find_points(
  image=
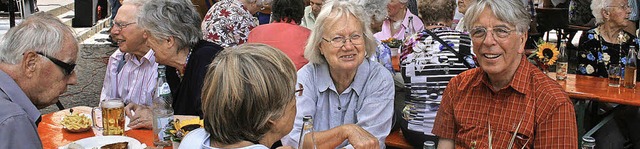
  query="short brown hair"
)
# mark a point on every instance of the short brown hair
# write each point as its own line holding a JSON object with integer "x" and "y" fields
{"x": 245, "y": 87}
{"x": 432, "y": 11}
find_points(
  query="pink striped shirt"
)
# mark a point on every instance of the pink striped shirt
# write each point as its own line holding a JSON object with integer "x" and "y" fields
{"x": 136, "y": 80}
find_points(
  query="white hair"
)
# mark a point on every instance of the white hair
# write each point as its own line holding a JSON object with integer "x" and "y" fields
{"x": 41, "y": 32}
{"x": 596, "y": 9}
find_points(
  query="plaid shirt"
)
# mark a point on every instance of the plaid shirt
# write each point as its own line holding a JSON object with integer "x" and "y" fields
{"x": 470, "y": 108}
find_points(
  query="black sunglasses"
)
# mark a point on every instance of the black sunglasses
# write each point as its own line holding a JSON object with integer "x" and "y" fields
{"x": 67, "y": 68}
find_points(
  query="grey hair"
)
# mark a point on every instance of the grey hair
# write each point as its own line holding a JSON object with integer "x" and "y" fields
{"x": 510, "y": 11}
{"x": 376, "y": 9}
{"x": 596, "y": 9}
{"x": 432, "y": 11}
{"x": 172, "y": 18}
{"x": 41, "y": 32}
{"x": 329, "y": 14}
{"x": 137, "y": 3}
{"x": 403, "y": 1}
{"x": 260, "y": 3}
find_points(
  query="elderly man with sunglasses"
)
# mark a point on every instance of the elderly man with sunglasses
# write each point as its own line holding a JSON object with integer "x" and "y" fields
{"x": 506, "y": 102}
{"x": 37, "y": 59}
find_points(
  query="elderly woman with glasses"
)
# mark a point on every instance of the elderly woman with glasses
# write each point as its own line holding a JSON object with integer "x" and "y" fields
{"x": 228, "y": 22}
{"x": 608, "y": 43}
{"x": 600, "y": 48}
{"x": 348, "y": 96}
{"x": 246, "y": 110}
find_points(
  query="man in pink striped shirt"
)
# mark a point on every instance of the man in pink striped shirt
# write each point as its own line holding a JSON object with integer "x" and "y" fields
{"x": 132, "y": 70}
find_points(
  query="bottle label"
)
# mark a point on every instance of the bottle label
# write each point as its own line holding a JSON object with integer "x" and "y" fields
{"x": 162, "y": 124}
{"x": 163, "y": 90}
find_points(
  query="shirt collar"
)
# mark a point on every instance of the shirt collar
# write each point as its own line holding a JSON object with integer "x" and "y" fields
{"x": 519, "y": 81}
{"x": 325, "y": 81}
{"x": 149, "y": 57}
{"x": 17, "y": 96}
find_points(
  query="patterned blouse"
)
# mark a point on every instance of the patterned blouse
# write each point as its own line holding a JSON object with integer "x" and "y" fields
{"x": 228, "y": 23}
{"x": 595, "y": 55}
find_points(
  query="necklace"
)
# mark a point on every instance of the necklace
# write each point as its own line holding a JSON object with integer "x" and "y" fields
{"x": 601, "y": 49}
{"x": 180, "y": 75}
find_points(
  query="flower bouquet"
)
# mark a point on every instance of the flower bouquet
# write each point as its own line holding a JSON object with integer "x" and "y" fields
{"x": 545, "y": 55}
{"x": 177, "y": 129}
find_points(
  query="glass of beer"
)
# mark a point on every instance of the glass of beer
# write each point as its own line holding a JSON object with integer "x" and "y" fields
{"x": 615, "y": 73}
{"x": 113, "y": 119}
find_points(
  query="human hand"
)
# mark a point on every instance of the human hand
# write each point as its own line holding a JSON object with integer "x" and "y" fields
{"x": 360, "y": 138}
{"x": 139, "y": 115}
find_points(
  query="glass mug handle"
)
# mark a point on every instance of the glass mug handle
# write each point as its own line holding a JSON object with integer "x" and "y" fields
{"x": 94, "y": 118}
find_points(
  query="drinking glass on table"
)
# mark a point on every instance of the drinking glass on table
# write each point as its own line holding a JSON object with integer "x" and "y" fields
{"x": 615, "y": 73}
{"x": 112, "y": 120}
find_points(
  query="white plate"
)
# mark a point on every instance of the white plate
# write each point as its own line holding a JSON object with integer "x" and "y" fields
{"x": 98, "y": 141}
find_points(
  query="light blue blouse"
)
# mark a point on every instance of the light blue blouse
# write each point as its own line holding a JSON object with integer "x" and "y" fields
{"x": 367, "y": 102}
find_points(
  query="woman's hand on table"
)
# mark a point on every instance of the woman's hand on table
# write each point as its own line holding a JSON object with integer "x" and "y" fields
{"x": 140, "y": 117}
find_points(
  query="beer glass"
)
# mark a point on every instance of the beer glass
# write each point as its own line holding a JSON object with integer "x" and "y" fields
{"x": 113, "y": 119}
{"x": 615, "y": 73}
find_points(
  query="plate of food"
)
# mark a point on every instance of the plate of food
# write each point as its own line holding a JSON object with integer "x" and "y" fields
{"x": 76, "y": 123}
{"x": 105, "y": 142}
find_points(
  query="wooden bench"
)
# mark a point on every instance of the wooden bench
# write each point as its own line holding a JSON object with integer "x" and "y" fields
{"x": 396, "y": 140}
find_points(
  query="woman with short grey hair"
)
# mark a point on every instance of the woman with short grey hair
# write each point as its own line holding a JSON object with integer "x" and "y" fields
{"x": 246, "y": 110}
{"x": 349, "y": 96}
{"x": 228, "y": 22}
{"x": 172, "y": 30}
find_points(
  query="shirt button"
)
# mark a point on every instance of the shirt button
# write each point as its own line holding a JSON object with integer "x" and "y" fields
{"x": 339, "y": 108}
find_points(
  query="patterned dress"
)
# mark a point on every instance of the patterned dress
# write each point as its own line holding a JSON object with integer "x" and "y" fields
{"x": 595, "y": 55}
{"x": 426, "y": 68}
{"x": 228, "y": 23}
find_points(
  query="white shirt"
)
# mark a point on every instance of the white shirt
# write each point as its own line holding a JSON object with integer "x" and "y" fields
{"x": 136, "y": 80}
{"x": 200, "y": 138}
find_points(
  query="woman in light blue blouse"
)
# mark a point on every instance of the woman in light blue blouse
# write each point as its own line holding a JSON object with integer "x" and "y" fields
{"x": 349, "y": 96}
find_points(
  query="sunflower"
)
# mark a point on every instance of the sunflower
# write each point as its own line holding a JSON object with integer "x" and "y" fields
{"x": 547, "y": 53}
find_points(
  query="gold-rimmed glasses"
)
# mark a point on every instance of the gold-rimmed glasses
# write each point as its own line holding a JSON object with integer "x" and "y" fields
{"x": 337, "y": 42}
{"x": 121, "y": 26}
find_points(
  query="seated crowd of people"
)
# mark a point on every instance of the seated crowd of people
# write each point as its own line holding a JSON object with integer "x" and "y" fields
{"x": 459, "y": 82}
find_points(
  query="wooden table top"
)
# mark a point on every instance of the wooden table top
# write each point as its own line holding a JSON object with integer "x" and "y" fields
{"x": 596, "y": 88}
{"x": 53, "y": 136}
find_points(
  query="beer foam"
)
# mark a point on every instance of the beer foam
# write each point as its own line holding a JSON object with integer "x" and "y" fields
{"x": 112, "y": 104}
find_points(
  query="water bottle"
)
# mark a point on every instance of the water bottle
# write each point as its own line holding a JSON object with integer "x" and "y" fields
{"x": 588, "y": 142}
{"x": 562, "y": 66}
{"x": 429, "y": 145}
{"x": 307, "y": 127}
{"x": 162, "y": 110}
{"x": 630, "y": 68}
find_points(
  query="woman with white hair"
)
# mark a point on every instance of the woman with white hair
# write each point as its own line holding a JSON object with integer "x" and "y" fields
{"x": 228, "y": 22}
{"x": 601, "y": 47}
{"x": 346, "y": 93}
{"x": 607, "y": 43}
{"x": 172, "y": 30}
{"x": 398, "y": 21}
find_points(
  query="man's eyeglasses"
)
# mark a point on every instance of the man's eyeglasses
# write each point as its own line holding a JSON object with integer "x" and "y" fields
{"x": 337, "y": 42}
{"x": 623, "y": 6}
{"x": 121, "y": 26}
{"x": 478, "y": 33}
{"x": 67, "y": 68}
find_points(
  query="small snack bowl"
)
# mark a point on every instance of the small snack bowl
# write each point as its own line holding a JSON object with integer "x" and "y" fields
{"x": 76, "y": 123}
